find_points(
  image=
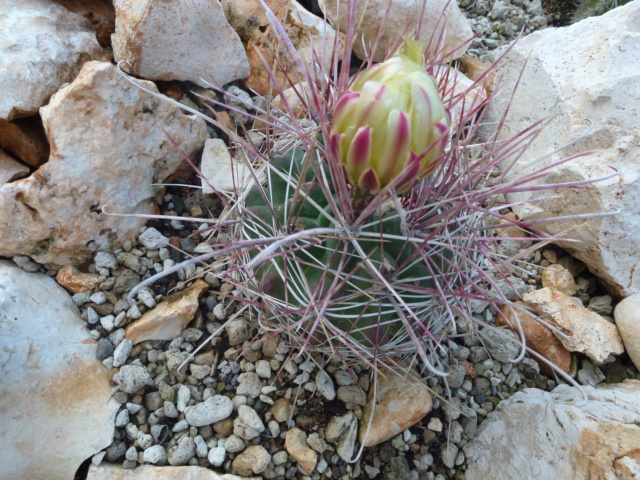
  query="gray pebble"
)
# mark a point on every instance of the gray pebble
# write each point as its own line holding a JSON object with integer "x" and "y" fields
{"x": 180, "y": 426}
{"x": 92, "y": 316}
{"x": 105, "y": 260}
{"x": 449, "y": 452}
{"x": 81, "y": 298}
{"x": 121, "y": 353}
{"x": 234, "y": 444}
{"x": 325, "y": 386}
{"x": 249, "y": 384}
{"x": 183, "y": 452}
{"x": 146, "y": 297}
{"x": 216, "y": 456}
{"x": 122, "y": 418}
{"x": 98, "y": 298}
{"x": 155, "y": 454}
{"x": 184, "y": 395}
{"x": 201, "y": 446}
{"x": 212, "y": 410}
{"x": 170, "y": 410}
{"x": 152, "y": 239}
{"x": 248, "y": 425}
{"x": 132, "y": 454}
{"x": 238, "y": 331}
{"x": 144, "y": 440}
{"x": 132, "y": 378}
{"x": 105, "y": 348}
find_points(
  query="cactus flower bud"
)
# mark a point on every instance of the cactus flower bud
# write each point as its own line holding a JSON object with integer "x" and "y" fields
{"x": 391, "y": 123}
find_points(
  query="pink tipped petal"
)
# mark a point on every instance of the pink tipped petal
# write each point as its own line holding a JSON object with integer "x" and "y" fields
{"x": 334, "y": 144}
{"x": 397, "y": 151}
{"x": 409, "y": 175}
{"x": 369, "y": 181}
{"x": 359, "y": 151}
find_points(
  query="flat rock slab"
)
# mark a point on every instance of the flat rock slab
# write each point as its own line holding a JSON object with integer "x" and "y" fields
{"x": 54, "y": 394}
{"x": 112, "y": 158}
{"x": 170, "y": 317}
{"x": 589, "y": 70}
{"x": 400, "y": 20}
{"x": 107, "y": 471}
{"x": 550, "y": 436}
{"x": 587, "y": 331}
{"x": 42, "y": 46}
{"x": 396, "y": 401}
{"x": 190, "y": 41}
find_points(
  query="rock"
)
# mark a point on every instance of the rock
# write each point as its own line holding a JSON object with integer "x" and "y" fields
{"x": 283, "y": 410}
{"x": 352, "y": 394}
{"x": 325, "y": 385}
{"x": 592, "y": 334}
{"x": 10, "y": 169}
{"x": 503, "y": 346}
{"x": 473, "y": 69}
{"x": 539, "y": 337}
{"x": 233, "y": 444}
{"x": 100, "y": 13}
{"x": 255, "y": 459}
{"x": 121, "y": 353}
{"x": 154, "y": 454}
{"x": 400, "y": 20}
{"x": 309, "y": 34}
{"x": 556, "y": 277}
{"x": 47, "y": 47}
{"x": 249, "y": 384}
{"x": 107, "y": 471}
{"x": 342, "y": 432}
{"x": 248, "y": 425}
{"x": 238, "y": 331}
{"x": 296, "y": 445}
{"x": 164, "y": 41}
{"x": 395, "y": 402}
{"x": 51, "y": 384}
{"x": 601, "y": 305}
{"x": 170, "y": 317}
{"x": 37, "y": 217}
{"x": 132, "y": 378}
{"x": 152, "y": 239}
{"x": 212, "y": 410}
{"x": 448, "y": 453}
{"x": 627, "y": 316}
{"x": 463, "y": 95}
{"x": 76, "y": 281}
{"x": 569, "y": 440}
{"x": 24, "y": 140}
{"x": 585, "y": 71}
{"x": 216, "y": 456}
{"x": 219, "y": 172}
{"x": 183, "y": 452}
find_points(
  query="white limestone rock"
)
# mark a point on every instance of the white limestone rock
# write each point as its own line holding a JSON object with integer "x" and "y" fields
{"x": 370, "y": 13}
{"x": 219, "y": 171}
{"x": 584, "y": 331}
{"x": 627, "y": 317}
{"x": 590, "y": 70}
{"x": 108, "y": 159}
{"x": 42, "y": 46}
{"x": 190, "y": 41}
{"x": 106, "y": 471}
{"x": 550, "y": 436}
{"x": 52, "y": 386}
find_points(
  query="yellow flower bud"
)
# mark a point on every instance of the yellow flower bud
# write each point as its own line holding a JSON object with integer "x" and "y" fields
{"x": 391, "y": 123}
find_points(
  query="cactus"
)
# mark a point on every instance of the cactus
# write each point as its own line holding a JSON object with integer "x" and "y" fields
{"x": 328, "y": 275}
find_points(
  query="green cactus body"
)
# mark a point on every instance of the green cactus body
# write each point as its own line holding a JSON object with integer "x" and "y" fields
{"x": 303, "y": 274}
